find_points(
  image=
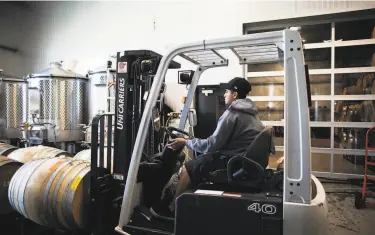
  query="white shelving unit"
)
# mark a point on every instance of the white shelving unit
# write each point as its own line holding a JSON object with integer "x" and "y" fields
{"x": 360, "y": 42}
{"x": 331, "y": 45}
{"x": 316, "y": 97}
{"x": 315, "y": 71}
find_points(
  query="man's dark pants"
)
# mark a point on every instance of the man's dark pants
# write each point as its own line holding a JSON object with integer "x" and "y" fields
{"x": 200, "y": 168}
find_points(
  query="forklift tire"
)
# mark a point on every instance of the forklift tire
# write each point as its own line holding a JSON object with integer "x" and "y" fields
{"x": 359, "y": 203}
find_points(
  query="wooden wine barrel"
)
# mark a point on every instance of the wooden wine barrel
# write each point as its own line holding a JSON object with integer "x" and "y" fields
{"x": 343, "y": 139}
{"x": 8, "y": 168}
{"x": 352, "y": 140}
{"x": 366, "y": 90}
{"x": 356, "y": 139}
{"x": 366, "y": 111}
{"x": 353, "y": 90}
{"x": 353, "y": 113}
{"x": 338, "y": 106}
{"x": 372, "y": 86}
{"x": 359, "y": 82}
{"x": 53, "y": 192}
{"x": 85, "y": 155}
{"x": 6, "y": 149}
{"x": 26, "y": 154}
{"x": 367, "y": 80}
{"x": 343, "y": 113}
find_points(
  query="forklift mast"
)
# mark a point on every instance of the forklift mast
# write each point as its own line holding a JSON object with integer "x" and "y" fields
{"x": 280, "y": 46}
{"x": 135, "y": 74}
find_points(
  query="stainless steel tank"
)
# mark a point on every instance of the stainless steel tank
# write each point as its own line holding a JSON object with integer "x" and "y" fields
{"x": 13, "y": 106}
{"x": 102, "y": 91}
{"x": 59, "y": 99}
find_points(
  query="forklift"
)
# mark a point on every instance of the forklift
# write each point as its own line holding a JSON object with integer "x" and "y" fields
{"x": 242, "y": 199}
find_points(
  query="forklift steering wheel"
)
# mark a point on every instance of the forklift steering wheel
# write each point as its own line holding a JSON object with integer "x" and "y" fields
{"x": 170, "y": 130}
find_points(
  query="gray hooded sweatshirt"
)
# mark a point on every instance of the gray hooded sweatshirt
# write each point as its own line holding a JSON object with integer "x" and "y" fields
{"x": 236, "y": 129}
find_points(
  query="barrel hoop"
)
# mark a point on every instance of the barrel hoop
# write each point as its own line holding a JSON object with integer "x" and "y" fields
{"x": 12, "y": 192}
{"x": 67, "y": 203}
{"x": 11, "y": 186}
{"x": 5, "y": 162}
{"x": 20, "y": 185}
{"x": 5, "y": 152}
{"x": 55, "y": 193}
{"x": 45, "y": 217}
{"x": 47, "y": 205}
{"x": 72, "y": 194}
{"x": 37, "y": 165}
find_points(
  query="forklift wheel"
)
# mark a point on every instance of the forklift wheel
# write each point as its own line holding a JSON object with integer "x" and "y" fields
{"x": 359, "y": 203}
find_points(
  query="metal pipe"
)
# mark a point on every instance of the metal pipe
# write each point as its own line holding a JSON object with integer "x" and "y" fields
{"x": 190, "y": 96}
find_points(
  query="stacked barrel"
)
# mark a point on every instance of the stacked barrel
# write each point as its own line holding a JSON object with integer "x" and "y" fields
{"x": 8, "y": 168}
{"x": 46, "y": 185}
{"x": 356, "y": 111}
{"x": 85, "y": 155}
{"x": 362, "y": 111}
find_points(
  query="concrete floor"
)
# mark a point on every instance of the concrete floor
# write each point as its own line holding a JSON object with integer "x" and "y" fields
{"x": 343, "y": 217}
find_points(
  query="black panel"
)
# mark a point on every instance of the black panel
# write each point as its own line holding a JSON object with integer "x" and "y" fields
{"x": 222, "y": 215}
{"x": 308, "y": 85}
{"x": 124, "y": 101}
{"x": 135, "y": 71}
{"x": 209, "y": 109}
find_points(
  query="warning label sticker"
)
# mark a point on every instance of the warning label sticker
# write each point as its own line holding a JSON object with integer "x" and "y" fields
{"x": 209, "y": 192}
{"x": 76, "y": 182}
{"x": 122, "y": 67}
{"x": 231, "y": 195}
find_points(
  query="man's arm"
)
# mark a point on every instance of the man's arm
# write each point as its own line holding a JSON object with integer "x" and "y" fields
{"x": 217, "y": 140}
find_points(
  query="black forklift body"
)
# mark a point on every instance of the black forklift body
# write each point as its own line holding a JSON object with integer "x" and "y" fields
{"x": 220, "y": 213}
{"x": 135, "y": 72}
{"x": 134, "y": 77}
{"x": 203, "y": 212}
{"x": 227, "y": 211}
{"x": 254, "y": 200}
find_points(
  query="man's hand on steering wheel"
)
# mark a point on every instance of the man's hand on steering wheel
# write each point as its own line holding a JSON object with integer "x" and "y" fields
{"x": 176, "y": 140}
{"x": 177, "y": 143}
{"x": 171, "y": 131}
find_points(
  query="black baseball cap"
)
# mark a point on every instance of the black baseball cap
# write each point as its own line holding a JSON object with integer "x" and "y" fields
{"x": 240, "y": 85}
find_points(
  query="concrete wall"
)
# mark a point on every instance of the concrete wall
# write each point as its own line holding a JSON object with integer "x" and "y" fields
{"x": 88, "y": 32}
{"x": 18, "y": 29}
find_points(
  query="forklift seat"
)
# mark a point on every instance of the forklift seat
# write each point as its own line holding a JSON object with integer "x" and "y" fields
{"x": 247, "y": 170}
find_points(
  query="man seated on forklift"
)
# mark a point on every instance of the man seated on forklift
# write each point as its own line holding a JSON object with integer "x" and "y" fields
{"x": 236, "y": 129}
